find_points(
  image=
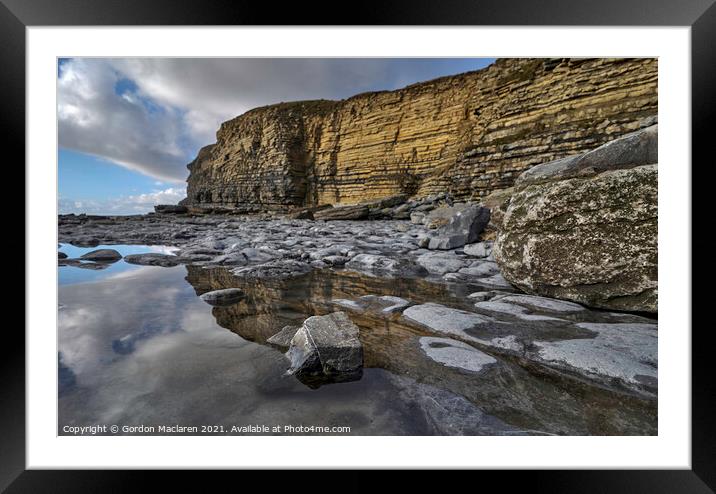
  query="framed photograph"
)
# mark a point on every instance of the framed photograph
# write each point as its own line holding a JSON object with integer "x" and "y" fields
{"x": 432, "y": 237}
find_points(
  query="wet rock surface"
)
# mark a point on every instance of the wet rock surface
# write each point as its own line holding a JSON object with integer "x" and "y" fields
{"x": 534, "y": 394}
{"x": 453, "y": 353}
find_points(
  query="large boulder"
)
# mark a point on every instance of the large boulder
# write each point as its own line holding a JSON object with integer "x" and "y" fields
{"x": 635, "y": 149}
{"x": 326, "y": 349}
{"x": 590, "y": 238}
{"x": 463, "y": 227}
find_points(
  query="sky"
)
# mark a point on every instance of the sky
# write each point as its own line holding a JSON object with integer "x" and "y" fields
{"x": 127, "y": 127}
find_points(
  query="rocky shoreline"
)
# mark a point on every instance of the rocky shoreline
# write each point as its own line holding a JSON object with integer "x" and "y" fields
{"x": 619, "y": 354}
{"x": 554, "y": 279}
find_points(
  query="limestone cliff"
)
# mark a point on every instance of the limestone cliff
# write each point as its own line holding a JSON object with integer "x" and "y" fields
{"x": 468, "y": 134}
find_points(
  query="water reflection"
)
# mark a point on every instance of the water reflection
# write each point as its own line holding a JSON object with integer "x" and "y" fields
{"x": 507, "y": 390}
{"x": 71, "y": 271}
{"x": 139, "y": 347}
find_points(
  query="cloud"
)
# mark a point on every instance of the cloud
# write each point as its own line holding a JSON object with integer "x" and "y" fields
{"x": 132, "y": 204}
{"x": 152, "y": 115}
{"x": 121, "y": 126}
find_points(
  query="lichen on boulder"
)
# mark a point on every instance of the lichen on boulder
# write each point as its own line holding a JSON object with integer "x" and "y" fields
{"x": 591, "y": 239}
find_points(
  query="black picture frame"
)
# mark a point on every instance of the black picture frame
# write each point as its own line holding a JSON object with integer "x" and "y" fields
{"x": 700, "y": 15}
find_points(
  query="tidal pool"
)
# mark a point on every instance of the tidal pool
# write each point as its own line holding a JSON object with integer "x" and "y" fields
{"x": 139, "y": 349}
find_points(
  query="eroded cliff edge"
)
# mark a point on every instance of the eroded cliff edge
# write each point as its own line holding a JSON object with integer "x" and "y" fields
{"x": 468, "y": 134}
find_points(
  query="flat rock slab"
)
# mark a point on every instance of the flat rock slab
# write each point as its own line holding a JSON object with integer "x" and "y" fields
{"x": 543, "y": 303}
{"x": 102, "y": 255}
{"x": 227, "y": 296}
{"x": 326, "y": 349}
{"x": 153, "y": 259}
{"x": 441, "y": 262}
{"x": 622, "y": 351}
{"x": 453, "y": 353}
{"x": 501, "y": 307}
{"x": 384, "y": 304}
{"x": 446, "y": 320}
{"x": 621, "y": 355}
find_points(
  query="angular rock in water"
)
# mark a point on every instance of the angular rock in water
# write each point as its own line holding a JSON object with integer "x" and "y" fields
{"x": 383, "y": 304}
{"x": 462, "y": 228}
{"x": 61, "y": 255}
{"x": 220, "y": 298}
{"x": 453, "y": 353}
{"x": 282, "y": 339}
{"x": 589, "y": 240}
{"x": 153, "y": 259}
{"x": 102, "y": 255}
{"x": 326, "y": 349}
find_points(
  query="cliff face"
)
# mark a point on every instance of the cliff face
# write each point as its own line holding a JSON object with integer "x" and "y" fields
{"x": 468, "y": 134}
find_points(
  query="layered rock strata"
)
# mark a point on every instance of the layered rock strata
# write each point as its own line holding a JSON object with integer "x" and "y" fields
{"x": 468, "y": 134}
